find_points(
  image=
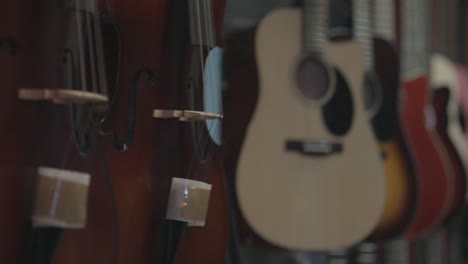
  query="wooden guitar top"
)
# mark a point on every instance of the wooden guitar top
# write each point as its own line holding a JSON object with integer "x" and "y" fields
{"x": 302, "y": 202}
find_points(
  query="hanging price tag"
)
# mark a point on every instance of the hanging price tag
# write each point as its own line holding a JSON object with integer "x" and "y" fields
{"x": 188, "y": 201}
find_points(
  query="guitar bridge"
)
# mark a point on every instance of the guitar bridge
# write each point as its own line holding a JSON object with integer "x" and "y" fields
{"x": 319, "y": 147}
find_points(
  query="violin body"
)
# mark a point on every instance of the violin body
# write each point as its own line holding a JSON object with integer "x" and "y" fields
{"x": 140, "y": 28}
{"x": 18, "y": 120}
{"x": 191, "y": 149}
{"x": 61, "y": 49}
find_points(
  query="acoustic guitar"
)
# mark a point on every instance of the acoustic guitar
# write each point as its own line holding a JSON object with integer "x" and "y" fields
{"x": 446, "y": 101}
{"x": 418, "y": 122}
{"x": 308, "y": 119}
{"x": 68, "y": 84}
{"x": 373, "y": 27}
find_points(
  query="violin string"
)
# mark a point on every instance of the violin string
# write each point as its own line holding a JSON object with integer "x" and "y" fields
{"x": 215, "y": 122}
{"x": 202, "y": 62}
{"x": 198, "y": 128}
{"x": 208, "y": 146}
{"x": 81, "y": 53}
{"x": 91, "y": 48}
{"x": 101, "y": 58}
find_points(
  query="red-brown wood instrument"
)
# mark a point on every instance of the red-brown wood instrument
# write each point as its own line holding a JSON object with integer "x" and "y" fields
{"x": 189, "y": 140}
{"x": 72, "y": 47}
{"x": 140, "y": 27}
{"x": 17, "y": 122}
{"x": 446, "y": 97}
{"x": 418, "y": 123}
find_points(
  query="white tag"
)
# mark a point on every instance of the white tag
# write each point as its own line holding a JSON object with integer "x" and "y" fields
{"x": 188, "y": 201}
{"x": 61, "y": 198}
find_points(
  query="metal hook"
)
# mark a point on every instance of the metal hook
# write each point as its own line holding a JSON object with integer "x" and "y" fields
{"x": 11, "y": 44}
{"x": 132, "y": 110}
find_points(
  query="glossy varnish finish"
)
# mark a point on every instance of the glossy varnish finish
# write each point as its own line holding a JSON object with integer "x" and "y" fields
{"x": 299, "y": 185}
{"x": 434, "y": 174}
{"x": 17, "y": 121}
{"x": 50, "y": 35}
{"x": 140, "y": 27}
{"x": 176, "y": 152}
{"x": 440, "y": 101}
{"x": 401, "y": 190}
{"x": 208, "y": 244}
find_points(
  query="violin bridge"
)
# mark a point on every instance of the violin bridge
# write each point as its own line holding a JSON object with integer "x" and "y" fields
{"x": 185, "y": 115}
{"x": 61, "y": 96}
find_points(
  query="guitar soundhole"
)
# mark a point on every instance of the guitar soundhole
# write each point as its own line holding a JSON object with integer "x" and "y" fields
{"x": 337, "y": 113}
{"x": 313, "y": 79}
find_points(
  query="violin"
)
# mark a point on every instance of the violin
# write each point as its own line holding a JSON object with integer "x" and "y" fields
{"x": 17, "y": 121}
{"x": 189, "y": 117}
{"x": 140, "y": 26}
{"x": 71, "y": 72}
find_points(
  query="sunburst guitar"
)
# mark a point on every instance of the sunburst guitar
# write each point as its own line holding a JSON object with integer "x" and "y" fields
{"x": 381, "y": 88}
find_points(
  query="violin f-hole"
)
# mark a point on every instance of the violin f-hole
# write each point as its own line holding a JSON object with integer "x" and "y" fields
{"x": 122, "y": 145}
{"x": 11, "y": 45}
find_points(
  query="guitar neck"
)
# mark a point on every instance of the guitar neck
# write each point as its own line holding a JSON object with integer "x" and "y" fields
{"x": 384, "y": 25}
{"x": 414, "y": 39}
{"x": 315, "y": 26}
{"x": 444, "y": 27}
{"x": 362, "y": 29}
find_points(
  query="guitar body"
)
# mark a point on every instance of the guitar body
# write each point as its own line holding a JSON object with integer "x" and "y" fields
{"x": 434, "y": 174}
{"x": 401, "y": 189}
{"x": 241, "y": 74}
{"x": 446, "y": 105}
{"x": 462, "y": 79}
{"x": 307, "y": 202}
